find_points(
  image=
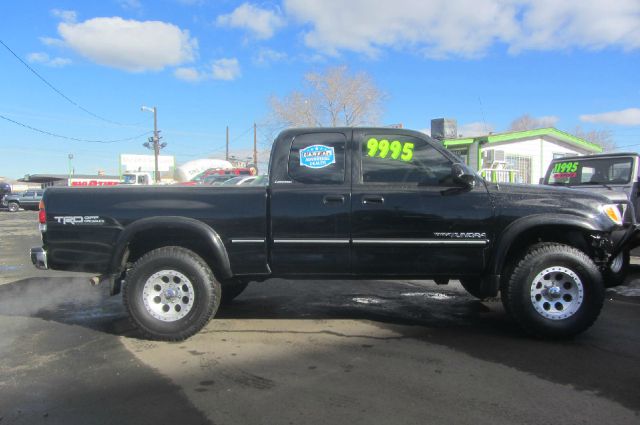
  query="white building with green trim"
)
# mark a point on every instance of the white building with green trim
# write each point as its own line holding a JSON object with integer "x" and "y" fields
{"x": 519, "y": 156}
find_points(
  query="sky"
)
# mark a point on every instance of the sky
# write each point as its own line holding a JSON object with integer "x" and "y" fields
{"x": 207, "y": 65}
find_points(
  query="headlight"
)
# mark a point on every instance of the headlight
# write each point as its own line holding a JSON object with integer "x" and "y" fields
{"x": 612, "y": 211}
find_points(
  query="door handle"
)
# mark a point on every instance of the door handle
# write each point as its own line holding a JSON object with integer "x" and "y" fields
{"x": 333, "y": 199}
{"x": 373, "y": 199}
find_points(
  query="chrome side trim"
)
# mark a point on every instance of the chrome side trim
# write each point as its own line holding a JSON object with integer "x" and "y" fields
{"x": 247, "y": 240}
{"x": 420, "y": 242}
{"x": 377, "y": 241}
{"x": 311, "y": 241}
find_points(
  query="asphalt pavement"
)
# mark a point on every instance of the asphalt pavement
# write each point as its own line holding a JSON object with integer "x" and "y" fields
{"x": 303, "y": 352}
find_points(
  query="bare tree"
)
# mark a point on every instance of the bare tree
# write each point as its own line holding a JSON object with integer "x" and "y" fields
{"x": 527, "y": 122}
{"x": 602, "y": 138}
{"x": 297, "y": 110}
{"x": 332, "y": 98}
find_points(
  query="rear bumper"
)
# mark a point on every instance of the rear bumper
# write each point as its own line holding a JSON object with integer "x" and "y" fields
{"x": 39, "y": 258}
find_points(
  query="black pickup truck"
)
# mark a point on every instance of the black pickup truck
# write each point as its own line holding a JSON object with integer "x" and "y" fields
{"x": 341, "y": 203}
{"x": 613, "y": 175}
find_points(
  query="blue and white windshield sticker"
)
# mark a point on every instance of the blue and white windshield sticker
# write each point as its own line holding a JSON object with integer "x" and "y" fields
{"x": 317, "y": 156}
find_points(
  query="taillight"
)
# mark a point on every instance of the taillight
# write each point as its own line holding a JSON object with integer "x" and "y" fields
{"x": 42, "y": 214}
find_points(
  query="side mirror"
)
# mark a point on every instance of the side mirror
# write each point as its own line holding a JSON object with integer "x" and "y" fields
{"x": 461, "y": 175}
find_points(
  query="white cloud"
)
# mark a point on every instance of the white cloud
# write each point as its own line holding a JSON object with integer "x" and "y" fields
{"x": 474, "y": 129}
{"x": 65, "y": 15}
{"x": 188, "y": 74}
{"x": 130, "y": 4}
{"x": 590, "y": 24}
{"x": 466, "y": 28}
{"x": 50, "y": 41}
{"x": 37, "y": 57}
{"x": 129, "y": 44}
{"x": 261, "y": 22}
{"x": 226, "y": 69}
{"x": 43, "y": 58}
{"x": 268, "y": 56}
{"x": 59, "y": 62}
{"x": 438, "y": 28}
{"x": 630, "y": 116}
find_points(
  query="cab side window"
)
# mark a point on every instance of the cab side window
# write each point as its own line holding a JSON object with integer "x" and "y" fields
{"x": 405, "y": 160}
{"x": 318, "y": 158}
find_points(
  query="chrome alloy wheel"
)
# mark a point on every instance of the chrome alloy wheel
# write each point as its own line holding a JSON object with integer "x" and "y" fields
{"x": 168, "y": 295}
{"x": 557, "y": 293}
{"x": 616, "y": 263}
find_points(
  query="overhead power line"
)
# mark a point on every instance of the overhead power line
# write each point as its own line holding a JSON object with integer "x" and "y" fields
{"x": 52, "y": 87}
{"x": 75, "y": 139}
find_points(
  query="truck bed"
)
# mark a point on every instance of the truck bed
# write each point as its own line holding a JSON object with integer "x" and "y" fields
{"x": 85, "y": 224}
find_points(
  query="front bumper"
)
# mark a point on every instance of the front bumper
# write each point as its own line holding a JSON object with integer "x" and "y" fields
{"x": 39, "y": 258}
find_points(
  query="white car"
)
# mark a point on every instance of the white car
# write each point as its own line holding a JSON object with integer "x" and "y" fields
{"x": 240, "y": 180}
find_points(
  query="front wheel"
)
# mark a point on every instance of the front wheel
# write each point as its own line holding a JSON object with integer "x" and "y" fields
{"x": 555, "y": 291}
{"x": 13, "y": 206}
{"x": 171, "y": 293}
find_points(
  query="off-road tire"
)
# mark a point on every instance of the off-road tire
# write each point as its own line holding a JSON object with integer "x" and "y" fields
{"x": 521, "y": 305}
{"x": 13, "y": 206}
{"x": 206, "y": 297}
{"x": 614, "y": 278}
{"x": 231, "y": 290}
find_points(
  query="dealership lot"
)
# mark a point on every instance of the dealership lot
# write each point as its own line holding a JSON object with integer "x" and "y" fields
{"x": 303, "y": 352}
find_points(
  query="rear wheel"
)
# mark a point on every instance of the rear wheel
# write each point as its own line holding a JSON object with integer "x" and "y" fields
{"x": 13, "y": 206}
{"x": 555, "y": 291}
{"x": 171, "y": 294}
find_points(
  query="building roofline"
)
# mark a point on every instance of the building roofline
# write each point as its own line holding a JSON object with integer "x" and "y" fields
{"x": 514, "y": 135}
{"x": 595, "y": 156}
{"x": 40, "y": 178}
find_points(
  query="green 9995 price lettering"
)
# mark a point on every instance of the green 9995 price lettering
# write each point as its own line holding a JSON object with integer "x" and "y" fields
{"x": 391, "y": 150}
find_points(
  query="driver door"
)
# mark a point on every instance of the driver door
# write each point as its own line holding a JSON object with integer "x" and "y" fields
{"x": 408, "y": 215}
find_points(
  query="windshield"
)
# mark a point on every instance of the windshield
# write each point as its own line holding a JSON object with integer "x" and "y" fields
{"x": 594, "y": 171}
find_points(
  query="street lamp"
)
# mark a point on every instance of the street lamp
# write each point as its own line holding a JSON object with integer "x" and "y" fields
{"x": 156, "y": 147}
{"x": 70, "y": 157}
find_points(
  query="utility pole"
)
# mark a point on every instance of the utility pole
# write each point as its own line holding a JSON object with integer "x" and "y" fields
{"x": 156, "y": 140}
{"x": 255, "y": 145}
{"x": 226, "y": 156}
{"x": 156, "y": 143}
